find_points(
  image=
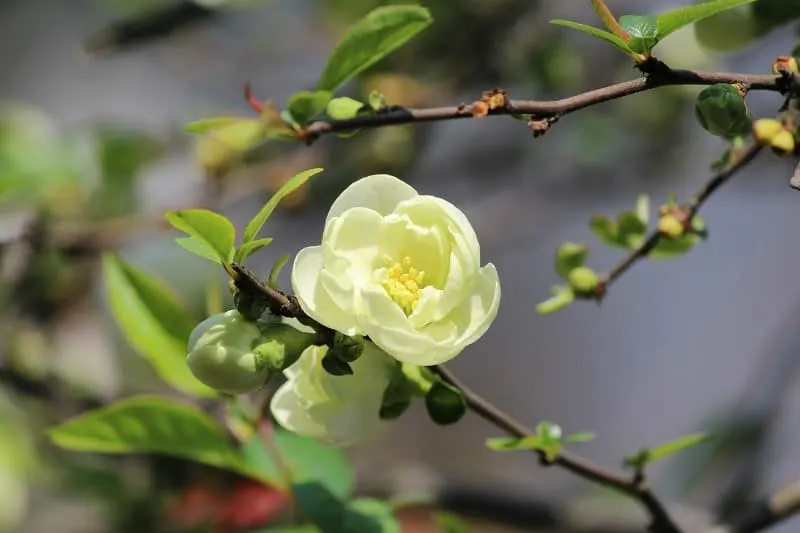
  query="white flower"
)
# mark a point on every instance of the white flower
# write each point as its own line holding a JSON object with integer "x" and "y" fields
{"x": 337, "y": 410}
{"x": 401, "y": 268}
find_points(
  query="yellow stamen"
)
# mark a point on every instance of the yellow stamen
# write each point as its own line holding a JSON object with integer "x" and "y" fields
{"x": 403, "y": 283}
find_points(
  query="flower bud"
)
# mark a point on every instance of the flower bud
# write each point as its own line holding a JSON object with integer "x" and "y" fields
{"x": 785, "y": 64}
{"x": 722, "y": 111}
{"x": 221, "y": 354}
{"x": 783, "y": 143}
{"x": 583, "y": 280}
{"x": 281, "y": 345}
{"x": 765, "y": 129}
{"x": 347, "y": 348}
{"x": 669, "y": 226}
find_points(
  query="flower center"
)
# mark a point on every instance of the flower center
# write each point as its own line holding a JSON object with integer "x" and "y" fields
{"x": 403, "y": 283}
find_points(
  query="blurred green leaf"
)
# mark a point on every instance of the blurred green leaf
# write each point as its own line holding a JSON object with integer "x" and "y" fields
{"x": 377, "y": 100}
{"x": 368, "y": 515}
{"x": 249, "y": 248}
{"x": 275, "y": 271}
{"x": 198, "y": 247}
{"x": 209, "y": 124}
{"x": 604, "y": 229}
{"x": 149, "y": 424}
{"x": 596, "y": 32}
{"x": 450, "y": 523}
{"x": 570, "y": 256}
{"x": 344, "y": 108}
{"x": 258, "y": 221}
{"x": 562, "y": 297}
{"x": 581, "y": 436}
{"x": 153, "y": 321}
{"x": 643, "y": 32}
{"x": 642, "y": 209}
{"x": 305, "y": 105}
{"x": 379, "y": 33}
{"x": 333, "y": 515}
{"x": 306, "y": 459}
{"x": 631, "y": 231}
{"x": 445, "y": 404}
{"x": 547, "y": 440}
{"x": 647, "y": 456}
{"x": 671, "y": 21}
{"x": 208, "y": 227}
{"x": 673, "y": 248}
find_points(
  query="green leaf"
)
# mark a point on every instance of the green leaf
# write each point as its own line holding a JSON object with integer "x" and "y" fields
{"x": 199, "y": 248}
{"x": 643, "y": 32}
{"x": 673, "y": 248}
{"x": 678, "y": 445}
{"x": 642, "y": 209}
{"x": 208, "y": 124}
{"x": 581, "y": 436}
{"x": 149, "y": 424}
{"x": 212, "y": 229}
{"x": 596, "y": 32}
{"x": 631, "y": 231}
{"x": 605, "y": 229}
{"x": 547, "y": 440}
{"x": 255, "y": 225}
{"x": 276, "y": 269}
{"x": 379, "y": 33}
{"x": 562, "y": 297}
{"x": 512, "y": 444}
{"x": 450, "y": 523}
{"x": 676, "y": 19}
{"x": 306, "y": 459}
{"x": 249, "y": 248}
{"x": 569, "y": 257}
{"x": 445, "y": 404}
{"x": 153, "y": 321}
{"x": 305, "y": 105}
{"x": 344, "y": 108}
{"x": 368, "y": 515}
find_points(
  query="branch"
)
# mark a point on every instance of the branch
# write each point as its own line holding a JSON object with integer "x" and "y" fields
{"x": 762, "y": 515}
{"x": 659, "y": 75}
{"x": 739, "y": 159}
{"x": 639, "y": 490}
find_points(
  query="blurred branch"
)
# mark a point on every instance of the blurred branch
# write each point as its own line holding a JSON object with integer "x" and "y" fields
{"x": 762, "y": 515}
{"x": 740, "y": 157}
{"x": 151, "y": 25}
{"x": 657, "y": 75}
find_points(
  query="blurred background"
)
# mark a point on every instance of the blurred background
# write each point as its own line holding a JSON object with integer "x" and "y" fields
{"x": 92, "y": 151}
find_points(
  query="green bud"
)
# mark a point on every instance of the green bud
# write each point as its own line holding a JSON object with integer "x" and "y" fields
{"x": 221, "y": 354}
{"x": 783, "y": 143}
{"x": 722, "y": 111}
{"x": 394, "y": 411}
{"x": 281, "y": 345}
{"x": 669, "y": 226}
{"x": 570, "y": 256}
{"x": 445, "y": 404}
{"x": 583, "y": 280}
{"x": 765, "y": 129}
{"x": 348, "y": 348}
{"x": 335, "y": 366}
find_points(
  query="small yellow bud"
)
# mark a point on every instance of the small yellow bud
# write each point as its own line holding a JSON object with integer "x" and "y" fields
{"x": 785, "y": 64}
{"x": 669, "y": 226}
{"x": 765, "y": 129}
{"x": 783, "y": 143}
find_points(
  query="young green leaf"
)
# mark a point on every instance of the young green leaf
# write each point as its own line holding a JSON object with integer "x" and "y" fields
{"x": 149, "y": 424}
{"x": 379, "y": 33}
{"x": 678, "y": 445}
{"x": 596, "y": 32}
{"x": 643, "y": 32}
{"x": 212, "y": 229}
{"x": 581, "y": 436}
{"x": 642, "y": 209}
{"x": 208, "y": 124}
{"x": 511, "y": 444}
{"x": 676, "y": 19}
{"x": 343, "y": 108}
{"x": 570, "y": 256}
{"x": 255, "y": 225}
{"x": 673, "y": 248}
{"x": 306, "y": 459}
{"x": 562, "y": 297}
{"x": 153, "y": 321}
{"x": 197, "y": 247}
{"x": 377, "y": 100}
{"x": 275, "y": 271}
{"x": 249, "y": 248}
{"x": 368, "y": 515}
{"x": 305, "y": 105}
{"x": 605, "y": 229}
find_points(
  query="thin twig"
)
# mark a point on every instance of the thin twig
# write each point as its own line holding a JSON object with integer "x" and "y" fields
{"x": 661, "y": 521}
{"x": 659, "y": 77}
{"x": 690, "y": 209}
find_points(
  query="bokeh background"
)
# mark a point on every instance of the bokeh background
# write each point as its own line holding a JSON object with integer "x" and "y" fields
{"x": 705, "y": 342}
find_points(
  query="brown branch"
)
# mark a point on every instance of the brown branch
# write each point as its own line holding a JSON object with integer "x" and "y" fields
{"x": 739, "y": 159}
{"x": 639, "y": 490}
{"x": 659, "y": 76}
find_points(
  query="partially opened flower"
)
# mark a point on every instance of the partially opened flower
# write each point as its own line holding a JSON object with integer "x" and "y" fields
{"x": 337, "y": 410}
{"x": 401, "y": 268}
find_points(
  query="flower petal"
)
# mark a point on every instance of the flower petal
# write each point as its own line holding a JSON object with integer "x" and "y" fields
{"x": 378, "y": 192}
{"x": 312, "y": 296}
{"x": 477, "y": 312}
{"x": 289, "y": 412}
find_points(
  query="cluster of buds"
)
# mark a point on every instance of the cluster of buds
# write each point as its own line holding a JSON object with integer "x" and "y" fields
{"x": 490, "y": 100}
{"x": 785, "y": 64}
{"x": 777, "y": 134}
{"x": 673, "y": 222}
